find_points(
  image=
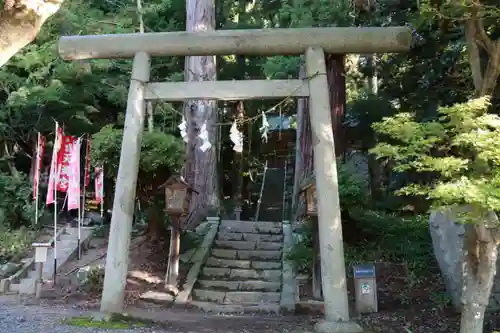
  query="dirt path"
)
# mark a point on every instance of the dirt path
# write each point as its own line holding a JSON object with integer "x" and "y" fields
{"x": 18, "y": 317}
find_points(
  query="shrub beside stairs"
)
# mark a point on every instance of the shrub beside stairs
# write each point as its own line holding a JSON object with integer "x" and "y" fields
{"x": 24, "y": 280}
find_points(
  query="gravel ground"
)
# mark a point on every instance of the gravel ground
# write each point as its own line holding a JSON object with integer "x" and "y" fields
{"x": 16, "y": 317}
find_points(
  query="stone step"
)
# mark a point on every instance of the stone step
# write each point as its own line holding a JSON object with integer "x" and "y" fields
{"x": 245, "y": 264}
{"x": 214, "y": 273}
{"x": 251, "y": 285}
{"x": 273, "y": 308}
{"x": 256, "y": 255}
{"x": 238, "y": 236}
{"x": 245, "y": 245}
{"x": 236, "y": 297}
{"x": 250, "y": 227}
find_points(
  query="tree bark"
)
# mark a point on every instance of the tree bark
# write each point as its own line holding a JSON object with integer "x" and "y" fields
{"x": 238, "y": 159}
{"x": 201, "y": 167}
{"x": 336, "y": 82}
{"x": 479, "y": 268}
{"x": 480, "y": 240}
{"x": 20, "y": 23}
{"x": 304, "y": 148}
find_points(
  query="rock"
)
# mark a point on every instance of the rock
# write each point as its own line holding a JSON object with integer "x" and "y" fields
{"x": 94, "y": 218}
{"x": 83, "y": 273}
{"x": 8, "y": 269}
{"x": 447, "y": 241}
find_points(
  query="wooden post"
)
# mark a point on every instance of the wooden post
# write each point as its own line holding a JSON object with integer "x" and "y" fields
{"x": 123, "y": 206}
{"x": 329, "y": 222}
{"x": 174, "y": 256}
{"x": 316, "y": 282}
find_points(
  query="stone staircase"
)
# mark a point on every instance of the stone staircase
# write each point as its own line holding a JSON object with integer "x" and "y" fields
{"x": 244, "y": 270}
{"x": 67, "y": 247}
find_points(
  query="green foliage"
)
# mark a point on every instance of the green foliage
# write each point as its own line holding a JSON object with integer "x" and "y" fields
{"x": 353, "y": 190}
{"x": 16, "y": 206}
{"x": 15, "y": 243}
{"x": 160, "y": 152}
{"x": 95, "y": 280}
{"x": 301, "y": 254}
{"x": 460, "y": 150}
{"x": 391, "y": 238}
{"x": 353, "y": 196}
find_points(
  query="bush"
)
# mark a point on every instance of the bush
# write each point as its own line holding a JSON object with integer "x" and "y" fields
{"x": 16, "y": 206}
{"x": 353, "y": 194}
{"x": 95, "y": 280}
{"x": 392, "y": 238}
{"x": 301, "y": 254}
{"x": 15, "y": 244}
{"x": 353, "y": 190}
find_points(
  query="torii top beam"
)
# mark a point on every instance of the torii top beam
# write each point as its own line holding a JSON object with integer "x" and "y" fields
{"x": 244, "y": 42}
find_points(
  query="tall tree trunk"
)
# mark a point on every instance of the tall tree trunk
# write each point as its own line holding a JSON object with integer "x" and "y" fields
{"x": 201, "y": 167}
{"x": 479, "y": 268}
{"x": 336, "y": 81}
{"x": 304, "y": 148}
{"x": 238, "y": 159}
{"x": 374, "y": 167}
{"x": 20, "y": 22}
{"x": 481, "y": 240}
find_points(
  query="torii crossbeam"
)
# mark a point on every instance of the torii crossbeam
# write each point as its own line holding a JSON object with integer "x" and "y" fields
{"x": 313, "y": 42}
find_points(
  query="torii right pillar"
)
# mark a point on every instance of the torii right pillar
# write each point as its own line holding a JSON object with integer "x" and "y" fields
{"x": 333, "y": 275}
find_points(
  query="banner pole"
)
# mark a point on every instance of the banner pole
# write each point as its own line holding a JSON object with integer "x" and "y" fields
{"x": 37, "y": 177}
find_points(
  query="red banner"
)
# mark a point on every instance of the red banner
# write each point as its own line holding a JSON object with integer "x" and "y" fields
{"x": 53, "y": 165}
{"x": 74, "y": 176}
{"x": 99, "y": 184}
{"x": 40, "y": 150}
{"x": 87, "y": 164}
{"x": 63, "y": 159}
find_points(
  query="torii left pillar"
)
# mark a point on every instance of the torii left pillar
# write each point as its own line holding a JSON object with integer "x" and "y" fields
{"x": 124, "y": 202}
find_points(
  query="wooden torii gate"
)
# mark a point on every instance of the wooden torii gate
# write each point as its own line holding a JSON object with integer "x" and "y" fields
{"x": 313, "y": 42}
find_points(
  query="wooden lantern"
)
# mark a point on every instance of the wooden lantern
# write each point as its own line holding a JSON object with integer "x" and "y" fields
{"x": 311, "y": 200}
{"x": 177, "y": 196}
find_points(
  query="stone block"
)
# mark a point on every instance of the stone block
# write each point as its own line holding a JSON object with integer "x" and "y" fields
{"x": 237, "y": 227}
{"x": 269, "y": 246}
{"x": 262, "y": 237}
{"x": 266, "y": 265}
{"x": 250, "y": 227}
{"x": 27, "y": 286}
{"x": 227, "y": 263}
{"x": 157, "y": 297}
{"x": 218, "y": 285}
{"x": 235, "y": 245}
{"x": 226, "y": 254}
{"x": 259, "y": 286}
{"x": 230, "y": 236}
{"x": 258, "y": 255}
{"x": 251, "y": 297}
{"x": 266, "y": 275}
{"x": 209, "y": 295}
{"x": 216, "y": 272}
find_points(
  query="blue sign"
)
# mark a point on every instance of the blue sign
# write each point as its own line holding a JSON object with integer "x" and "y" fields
{"x": 364, "y": 271}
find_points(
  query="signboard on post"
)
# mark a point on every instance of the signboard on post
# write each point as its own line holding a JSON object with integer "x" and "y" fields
{"x": 365, "y": 286}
